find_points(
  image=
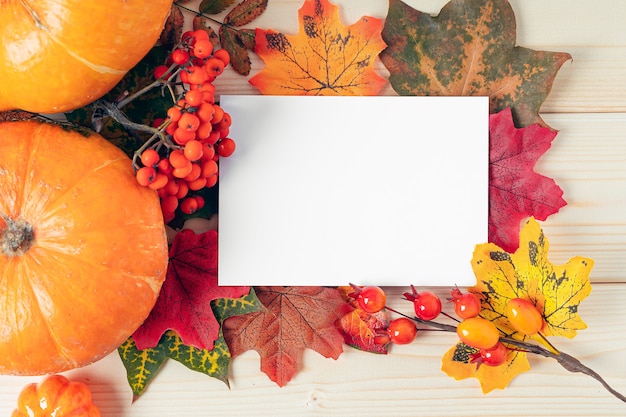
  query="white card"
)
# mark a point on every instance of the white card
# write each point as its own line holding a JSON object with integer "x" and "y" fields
{"x": 389, "y": 191}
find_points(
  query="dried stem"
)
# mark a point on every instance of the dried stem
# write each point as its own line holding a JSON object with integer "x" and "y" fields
{"x": 567, "y": 361}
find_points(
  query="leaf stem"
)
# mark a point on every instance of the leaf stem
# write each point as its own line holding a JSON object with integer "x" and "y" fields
{"x": 567, "y": 361}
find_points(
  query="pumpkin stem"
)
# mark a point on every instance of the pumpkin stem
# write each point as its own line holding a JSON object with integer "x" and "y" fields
{"x": 16, "y": 237}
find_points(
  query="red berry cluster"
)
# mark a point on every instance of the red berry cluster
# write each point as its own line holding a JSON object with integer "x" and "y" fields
{"x": 196, "y": 129}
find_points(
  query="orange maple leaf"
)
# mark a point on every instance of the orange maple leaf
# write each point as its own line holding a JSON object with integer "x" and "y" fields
{"x": 325, "y": 58}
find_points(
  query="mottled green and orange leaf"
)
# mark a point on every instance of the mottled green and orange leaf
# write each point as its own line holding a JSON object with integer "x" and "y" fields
{"x": 325, "y": 58}
{"x": 468, "y": 49}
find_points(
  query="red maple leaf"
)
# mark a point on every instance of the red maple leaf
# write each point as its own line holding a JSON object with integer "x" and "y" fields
{"x": 516, "y": 191}
{"x": 184, "y": 304}
{"x": 295, "y": 318}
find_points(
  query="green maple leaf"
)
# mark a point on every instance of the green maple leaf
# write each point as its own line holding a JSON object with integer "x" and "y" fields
{"x": 468, "y": 49}
{"x": 143, "y": 365}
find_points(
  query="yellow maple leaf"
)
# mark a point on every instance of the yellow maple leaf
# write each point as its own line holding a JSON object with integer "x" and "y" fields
{"x": 325, "y": 58}
{"x": 457, "y": 363}
{"x": 555, "y": 290}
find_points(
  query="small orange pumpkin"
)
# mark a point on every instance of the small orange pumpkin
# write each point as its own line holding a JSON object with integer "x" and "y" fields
{"x": 57, "y": 56}
{"x": 83, "y": 250}
{"x": 55, "y": 396}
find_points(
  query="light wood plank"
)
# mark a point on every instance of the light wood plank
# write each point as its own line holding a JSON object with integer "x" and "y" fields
{"x": 407, "y": 382}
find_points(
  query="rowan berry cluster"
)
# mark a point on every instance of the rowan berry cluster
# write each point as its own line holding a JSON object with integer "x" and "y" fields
{"x": 193, "y": 133}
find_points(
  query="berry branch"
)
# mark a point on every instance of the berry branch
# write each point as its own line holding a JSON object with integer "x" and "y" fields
{"x": 492, "y": 347}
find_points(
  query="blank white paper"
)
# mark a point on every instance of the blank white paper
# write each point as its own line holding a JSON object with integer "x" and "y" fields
{"x": 388, "y": 191}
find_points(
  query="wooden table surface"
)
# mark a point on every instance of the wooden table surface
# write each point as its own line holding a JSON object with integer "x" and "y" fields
{"x": 588, "y": 160}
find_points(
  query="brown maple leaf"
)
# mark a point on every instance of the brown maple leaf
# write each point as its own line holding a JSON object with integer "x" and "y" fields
{"x": 295, "y": 318}
{"x": 325, "y": 58}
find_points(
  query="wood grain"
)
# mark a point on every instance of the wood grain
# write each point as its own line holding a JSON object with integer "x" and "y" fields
{"x": 588, "y": 160}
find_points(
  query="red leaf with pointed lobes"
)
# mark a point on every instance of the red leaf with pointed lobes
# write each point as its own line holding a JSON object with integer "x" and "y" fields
{"x": 516, "y": 191}
{"x": 184, "y": 304}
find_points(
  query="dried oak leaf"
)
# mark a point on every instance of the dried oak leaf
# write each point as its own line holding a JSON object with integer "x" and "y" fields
{"x": 555, "y": 290}
{"x": 516, "y": 191}
{"x": 173, "y": 28}
{"x": 295, "y": 318}
{"x": 325, "y": 58}
{"x": 468, "y": 49}
{"x": 360, "y": 328}
{"x": 184, "y": 304}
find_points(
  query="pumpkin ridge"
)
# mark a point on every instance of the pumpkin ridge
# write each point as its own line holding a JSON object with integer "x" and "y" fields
{"x": 102, "y": 69}
{"x": 35, "y": 299}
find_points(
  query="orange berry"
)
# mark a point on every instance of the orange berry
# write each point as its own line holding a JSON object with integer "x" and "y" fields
{"x": 145, "y": 175}
{"x": 180, "y": 56}
{"x": 218, "y": 115}
{"x": 200, "y": 34}
{"x": 150, "y": 158}
{"x": 189, "y": 122}
{"x": 214, "y": 67}
{"x": 209, "y": 168}
{"x": 189, "y": 205}
{"x": 205, "y": 112}
{"x": 222, "y": 55}
{"x": 169, "y": 204}
{"x": 211, "y": 181}
{"x": 204, "y": 130}
{"x": 202, "y": 48}
{"x": 207, "y": 152}
{"x": 164, "y": 166}
{"x": 196, "y": 171}
{"x": 182, "y": 172}
{"x": 183, "y": 190}
{"x": 225, "y": 147}
{"x": 171, "y": 188}
{"x": 159, "y": 181}
{"x": 178, "y": 159}
{"x": 197, "y": 74}
{"x": 193, "y": 97}
{"x": 197, "y": 184}
{"x": 182, "y": 136}
{"x": 174, "y": 113}
{"x": 193, "y": 150}
{"x": 200, "y": 201}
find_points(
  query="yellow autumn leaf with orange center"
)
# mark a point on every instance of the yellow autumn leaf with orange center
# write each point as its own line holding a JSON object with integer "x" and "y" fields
{"x": 555, "y": 290}
{"x": 325, "y": 58}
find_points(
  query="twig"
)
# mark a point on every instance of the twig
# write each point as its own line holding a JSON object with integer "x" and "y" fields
{"x": 567, "y": 361}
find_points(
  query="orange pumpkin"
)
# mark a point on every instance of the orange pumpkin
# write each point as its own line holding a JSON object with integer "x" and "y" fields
{"x": 57, "y": 56}
{"x": 83, "y": 250}
{"x": 55, "y": 396}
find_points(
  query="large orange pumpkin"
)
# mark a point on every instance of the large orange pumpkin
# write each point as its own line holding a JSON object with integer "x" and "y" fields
{"x": 58, "y": 55}
{"x": 83, "y": 251}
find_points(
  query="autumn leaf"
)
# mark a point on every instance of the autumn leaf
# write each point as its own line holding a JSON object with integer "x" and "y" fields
{"x": 325, "y": 58}
{"x": 456, "y": 363}
{"x": 173, "y": 27}
{"x": 516, "y": 191}
{"x": 360, "y": 328}
{"x": 468, "y": 49}
{"x": 556, "y": 290}
{"x": 237, "y": 43}
{"x": 214, "y": 6}
{"x": 142, "y": 365}
{"x": 295, "y": 318}
{"x": 190, "y": 286}
{"x": 245, "y": 12}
